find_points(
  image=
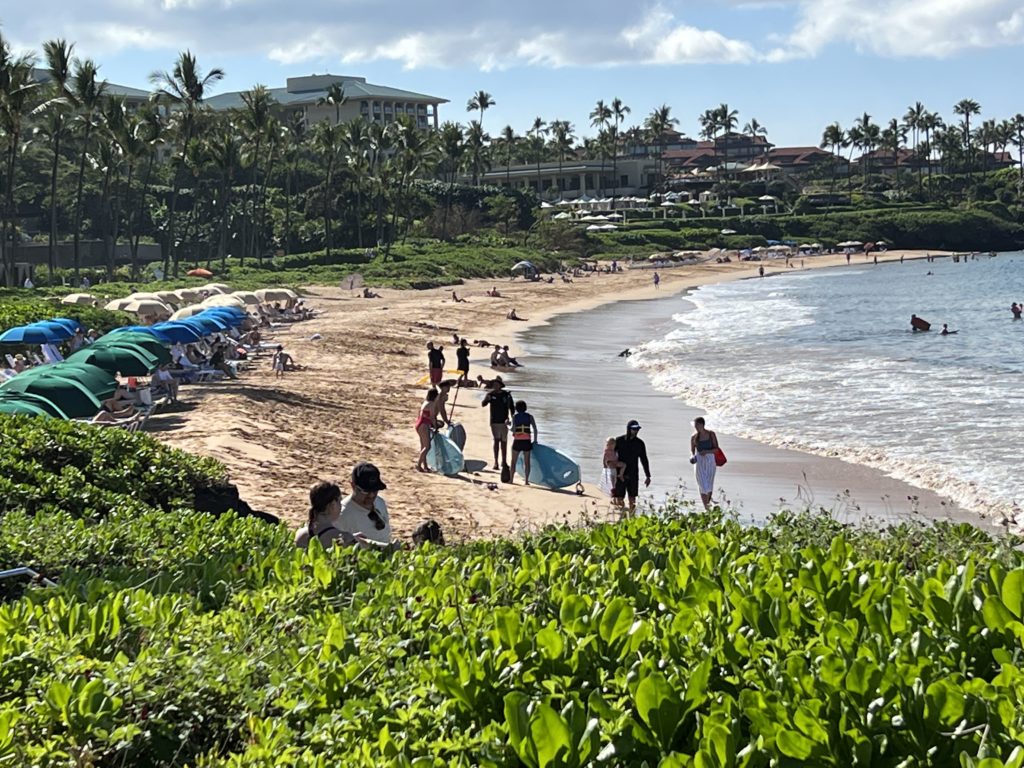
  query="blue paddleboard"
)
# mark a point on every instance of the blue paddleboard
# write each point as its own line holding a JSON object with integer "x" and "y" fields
{"x": 444, "y": 456}
{"x": 457, "y": 434}
{"x": 550, "y": 468}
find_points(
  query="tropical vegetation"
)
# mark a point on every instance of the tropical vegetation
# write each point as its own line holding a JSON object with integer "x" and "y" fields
{"x": 240, "y": 186}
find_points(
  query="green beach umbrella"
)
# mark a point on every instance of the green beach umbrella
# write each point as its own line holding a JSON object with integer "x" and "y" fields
{"x": 98, "y": 381}
{"x": 21, "y": 403}
{"x": 126, "y": 359}
{"x": 151, "y": 346}
{"x": 72, "y": 397}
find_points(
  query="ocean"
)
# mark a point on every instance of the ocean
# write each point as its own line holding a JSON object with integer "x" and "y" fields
{"x": 825, "y": 362}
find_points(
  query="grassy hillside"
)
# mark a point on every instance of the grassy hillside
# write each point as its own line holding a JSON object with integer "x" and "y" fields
{"x": 175, "y": 638}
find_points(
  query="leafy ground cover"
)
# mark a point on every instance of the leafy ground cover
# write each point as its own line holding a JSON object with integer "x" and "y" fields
{"x": 176, "y": 638}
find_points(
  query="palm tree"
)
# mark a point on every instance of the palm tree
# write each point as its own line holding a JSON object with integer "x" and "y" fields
{"x": 225, "y": 157}
{"x": 508, "y": 138}
{"x": 726, "y": 119}
{"x": 327, "y": 139}
{"x": 334, "y": 97}
{"x": 256, "y": 121}
{"x": 600, "y": 115}
{"x": 184, "y": 86}
{"x": 865, "y": 135}
{"x": 913, "y": 120}
{"x": 412, "y": 148}
{"x": 481, "y": 101}
{"x": 658, "y": 123}
{"x": 562, "y": 138}
{"x": 356, "y": 149}
{"x": 1018, "y": 142}
{"x": 58, "y": 56}
{"x": 834, "y": 137}
{"x": 538, "y": 131}
{"x": 132, "y": 136}
{"x": 619, "y": 112}
{"x": 476, "y": 150}
{"x": 452, "y": 149}
{"x": 88, "y": 94}
{"x": 295, "y": 130}
{"x": 16, "y": 92}
{"x": 965, "y": 108}
{"x": 930, "y": 122}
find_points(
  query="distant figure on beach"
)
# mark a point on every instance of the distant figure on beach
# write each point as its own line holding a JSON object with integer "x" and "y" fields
{"x": 847, "y": 256}
{"x": 489, "y": 383}
{"x": 524, "y": 436}
{"x": 513, "y": 316}
{"x": 917, "y": 324}
{"x": 632, "y": 451}
{"x": 494, "y": 293}
{"x": 502, "y": 408}
{"x": 368, "y": 294}
{"x": 426, "y": 422}
{"x": 626, "y": 352}
{"x": 946, "y": 331}
{"x": 498, "y": 358}
{"x": 1016, "y": 309}
{"x": 435, "y": 360}
{"x": 876, "y": 259}
{"x": 657, "y": 279}
{"x": 456, "y": 299}
{"x": 613, "y": 470}
{"x": 280, "y": 361}
{"x": 509, "y": 360}
{"x": 703, "y": 444}
{"x": 760, "y": 271}
{"x": 462, "y": 355}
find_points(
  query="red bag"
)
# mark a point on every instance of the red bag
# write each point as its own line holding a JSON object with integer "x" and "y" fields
{"x": 720, "y": 460}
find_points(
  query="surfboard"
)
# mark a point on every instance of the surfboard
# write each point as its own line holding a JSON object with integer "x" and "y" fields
{"x": 457, "y": 434}
{"x": 444, "y": 456}
{"x": 550, "y": 467}
{"x": 449, "y": 374}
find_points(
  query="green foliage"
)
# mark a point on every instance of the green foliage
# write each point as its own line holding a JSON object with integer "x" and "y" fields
{"x": 20, "y": 307}
{"x": 678, "y": 639}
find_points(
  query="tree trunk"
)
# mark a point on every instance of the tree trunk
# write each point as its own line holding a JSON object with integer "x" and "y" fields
{"x": 78, "y": 201}
{"x": 171, "y": 254}
{"x": 263, "y": 204}
{"x": 327, "y": 214}
{"x": 51, "y": 256}
{"x": 288, "y": 211}
{"x": 134, "y": 235}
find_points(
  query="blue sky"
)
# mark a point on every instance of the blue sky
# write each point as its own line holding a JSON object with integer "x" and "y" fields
{"x": 794, "y": 65}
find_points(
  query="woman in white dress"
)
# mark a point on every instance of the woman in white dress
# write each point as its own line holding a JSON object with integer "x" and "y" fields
{"x": 703, "y": 444}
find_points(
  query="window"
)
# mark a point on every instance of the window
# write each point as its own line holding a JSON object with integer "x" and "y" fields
{"x": 376, "y": 106}
{"x": 364, "y": 105}
{"x": 624, "y": 180}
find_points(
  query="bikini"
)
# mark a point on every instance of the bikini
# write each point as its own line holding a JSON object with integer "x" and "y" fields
{"x": 424, "y": 418}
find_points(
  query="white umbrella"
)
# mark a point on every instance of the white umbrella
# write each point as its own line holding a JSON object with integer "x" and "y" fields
{"x": 728, "y": 231}
{"x": 188, "y": 295}
{"x": 223, "y": 300}
{"x": 116, "y": 304}
{"x": 544, "y": 204}
{"x": 146, "y": 307}
{"x": 851, "y": 244}
{"x": 615, "y": 216}
{"x": 248, "y": 297}
{"x": 169, "y": 297}
{"x": 190, "y": 311}
{"x": 667, "y": 204}
{"x": 145, "y": 297}
{"x": 270, "y": 295}
{"x": 767, "y": 198}
{"x": 80, "y": 298}
{"x": 594, "y": 228}
{"x": 607, "y": 227}
{"x": 562, "y": 215}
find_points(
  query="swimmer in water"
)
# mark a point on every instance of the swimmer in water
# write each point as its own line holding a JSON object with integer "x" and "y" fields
{"x": 946, "y": 331}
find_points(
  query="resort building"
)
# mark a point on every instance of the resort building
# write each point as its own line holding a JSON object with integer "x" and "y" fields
{"x": 577, "y": 178}
{"x": 133, "y": 97}
{"x": 309, "y": 94}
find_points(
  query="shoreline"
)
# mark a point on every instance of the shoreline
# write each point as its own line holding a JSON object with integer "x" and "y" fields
{"x": 358, "y": 398}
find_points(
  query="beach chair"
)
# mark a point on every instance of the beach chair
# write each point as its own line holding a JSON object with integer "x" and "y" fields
{"x": 51, "y": 353}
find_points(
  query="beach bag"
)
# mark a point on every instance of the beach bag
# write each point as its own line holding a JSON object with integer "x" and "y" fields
{"x": 720, "y": 460}
{"x": 506, "y": 473}
{"x": 607, "y": 484}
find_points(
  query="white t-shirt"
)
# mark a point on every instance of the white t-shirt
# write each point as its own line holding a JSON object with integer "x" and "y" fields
{"x": 354, "y": 518}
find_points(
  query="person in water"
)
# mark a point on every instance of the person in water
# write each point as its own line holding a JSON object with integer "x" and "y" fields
{"x": 703, "y": 444}
{"x": 1016, "y": 309}
{"x": 946, "y": 331}
{"x": 524, "y": 437}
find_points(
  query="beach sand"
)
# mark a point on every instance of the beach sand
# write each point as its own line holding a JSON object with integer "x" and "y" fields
{"x": 358, "y": 398}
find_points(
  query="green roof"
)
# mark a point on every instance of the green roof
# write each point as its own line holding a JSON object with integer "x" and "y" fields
{"x": 356, "y": 89}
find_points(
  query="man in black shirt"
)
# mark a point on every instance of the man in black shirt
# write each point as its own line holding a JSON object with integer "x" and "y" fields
{"x": 631, "y": 450}
{"x": 502, "y": 410}
{"x": 462, "y": 353}
{"x": 435, "y": 358}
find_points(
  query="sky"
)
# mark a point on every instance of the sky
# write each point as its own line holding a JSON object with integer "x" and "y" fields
{"x": 793, "y": 65}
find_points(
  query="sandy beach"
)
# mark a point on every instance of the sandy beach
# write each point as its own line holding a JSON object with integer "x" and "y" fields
{"x": 358, "y": 398}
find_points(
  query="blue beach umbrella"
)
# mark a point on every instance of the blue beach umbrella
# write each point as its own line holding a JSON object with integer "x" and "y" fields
{"x": 177, "y": 332}
{"x": 30, "y": 334}
{"x": 59, "y": 329}
{"x": 209, "y": 324}
{"x": 67, "y": 322}
{"x": 228, "y": 317}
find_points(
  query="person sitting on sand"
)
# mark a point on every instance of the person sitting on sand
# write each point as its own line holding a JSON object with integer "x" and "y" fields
{"x": 218, "y": 361}
{"x": 513, "y": 316}
{"x": 368, "y": 294}
{"x": 498, "y": 358}
{"x": 509, "y": 360}
{"x": 489, "y": 383}
{"x": 494, "y": 293}
{"x": 482, "y": 343}
{"x": 457, "y": 300}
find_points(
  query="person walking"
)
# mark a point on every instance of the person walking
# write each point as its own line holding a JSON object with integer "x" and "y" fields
{"x": 435, "y": 359}
{"x": 657, "y": 279}
{"x": 703, "y": 444}
{"x": 462, "y": 354}
{"x": 502, "y": 408}
{"x": 524, "y": 437}
{"x": 632, "y": 451}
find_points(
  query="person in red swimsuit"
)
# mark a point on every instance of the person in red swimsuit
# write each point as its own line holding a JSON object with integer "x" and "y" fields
{"x": 426, "y": 422}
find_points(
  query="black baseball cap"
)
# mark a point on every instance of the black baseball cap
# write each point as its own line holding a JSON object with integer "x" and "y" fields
{"x": 367, "y": 476}
{"x": 633, "y": 424}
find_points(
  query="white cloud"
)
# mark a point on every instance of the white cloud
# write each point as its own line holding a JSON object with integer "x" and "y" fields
{"x": 495, "y": 34}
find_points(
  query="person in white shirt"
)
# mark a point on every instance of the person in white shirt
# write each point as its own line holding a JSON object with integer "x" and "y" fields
{"x": 360, "y": 518}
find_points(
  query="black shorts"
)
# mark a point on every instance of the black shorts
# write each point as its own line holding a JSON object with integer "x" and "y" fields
{"x": 627, "y": 486}
{"x": 463, "y": 369}
{"x": 523, "y": 446}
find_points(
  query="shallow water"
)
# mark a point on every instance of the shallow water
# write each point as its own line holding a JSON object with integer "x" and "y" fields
{"x": 826, "y": 362}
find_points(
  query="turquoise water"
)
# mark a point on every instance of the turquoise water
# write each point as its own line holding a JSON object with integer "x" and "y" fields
{"x": 826, "y": 362}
